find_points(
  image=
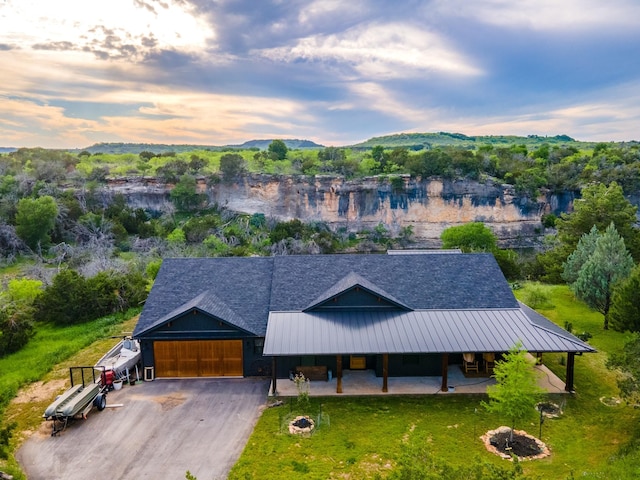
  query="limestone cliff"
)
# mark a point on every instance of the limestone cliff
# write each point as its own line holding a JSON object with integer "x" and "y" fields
{"x": 428, "y": 206}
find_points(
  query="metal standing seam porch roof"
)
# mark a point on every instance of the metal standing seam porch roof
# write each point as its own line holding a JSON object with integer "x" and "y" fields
{"x": 418, "y": 331}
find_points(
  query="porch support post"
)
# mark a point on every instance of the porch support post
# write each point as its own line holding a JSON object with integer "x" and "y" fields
{"x": 339, "y": 373}
{"x": 568, "y": 386}
{"x": 445, "y": 368}
{"x": 385, "y": 372}
{"x": 274, "y": 365}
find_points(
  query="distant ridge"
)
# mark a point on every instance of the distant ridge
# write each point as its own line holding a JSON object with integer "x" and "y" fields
{"x": 290, "y": 143}
{"x": 420, "y": 141}
{"x": 136, "y": 148}
{"x": 410, "y": 141}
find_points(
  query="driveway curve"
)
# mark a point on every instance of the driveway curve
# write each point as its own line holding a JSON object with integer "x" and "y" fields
{"x": 153, "y": 430}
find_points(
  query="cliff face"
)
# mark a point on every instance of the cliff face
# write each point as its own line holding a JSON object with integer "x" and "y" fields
{"x": 428, "y": 206}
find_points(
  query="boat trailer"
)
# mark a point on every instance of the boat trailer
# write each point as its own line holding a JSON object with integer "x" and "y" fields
{"x": 88, "y": 389}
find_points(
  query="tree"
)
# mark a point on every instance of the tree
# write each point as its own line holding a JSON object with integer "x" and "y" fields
{"x": 470, "y": 237}
{"x": 601, "y": 205}
{"x": 196, "y": 163}
{"x": 609, "y": 263}
{"x": 171, "y": 171}
{"x": 625, "y": 305}
{"x": 10, "y": 243}
{"x": 35, "y": 218}
{"x": 628, "y": 362}
{"x": 65, "y": 300}
{"x": 277, "y": 150}
{"x": 16, "y": 314}
{"x": 575, "y": 261}
{"x": 232, "y": 165}
{"x": 379, "y": 155}
{"x": 185, "y": 194}
{"x": 16, "y": 328}
{"x": 516, "y": 391}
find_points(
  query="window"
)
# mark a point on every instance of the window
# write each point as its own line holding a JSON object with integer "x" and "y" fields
{"x": 258, "y": 346}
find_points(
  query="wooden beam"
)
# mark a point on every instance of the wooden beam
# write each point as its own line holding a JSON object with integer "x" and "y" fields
{"x": 445, "y": 371}
{"x": 385, "y": 372}
{"x": 339, "y": 373}
{"x": 274, "y": 365}
{"x": 568, "y": 386}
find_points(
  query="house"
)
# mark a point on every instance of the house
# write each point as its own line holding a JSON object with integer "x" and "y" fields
{"x": 400, "y": 315}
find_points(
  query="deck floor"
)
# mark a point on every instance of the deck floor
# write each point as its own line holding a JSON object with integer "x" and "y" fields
{"x": 365, "y": 382}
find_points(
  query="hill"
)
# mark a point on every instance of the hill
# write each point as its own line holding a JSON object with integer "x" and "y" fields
{"x": 136, "y": 148}
{"x": 292, "y": 144}
{"x": 420, "y": 141}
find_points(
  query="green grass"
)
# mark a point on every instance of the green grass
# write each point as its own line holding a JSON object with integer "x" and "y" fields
{"x": 364, "y": 437}
{"x": 47, "y": 357}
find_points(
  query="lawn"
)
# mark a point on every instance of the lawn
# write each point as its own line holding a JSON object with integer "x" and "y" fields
{"x": 366, "y": 437}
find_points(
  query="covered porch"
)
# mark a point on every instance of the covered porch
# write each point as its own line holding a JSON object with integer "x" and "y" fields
{"x": 438, "y": 341}
{"x": 365, "y": 382}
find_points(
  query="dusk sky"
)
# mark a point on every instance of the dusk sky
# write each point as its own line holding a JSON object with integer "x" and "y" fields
{"x": 78, "y": 72}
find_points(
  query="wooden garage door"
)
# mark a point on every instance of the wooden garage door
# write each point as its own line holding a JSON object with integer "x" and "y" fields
{"x": 198, "y": 358}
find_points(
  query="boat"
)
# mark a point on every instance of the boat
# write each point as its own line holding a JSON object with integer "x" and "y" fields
{"x": 78, "y": 400}
{"x": 73, "y": 401}
{"x": 121, "y": 358}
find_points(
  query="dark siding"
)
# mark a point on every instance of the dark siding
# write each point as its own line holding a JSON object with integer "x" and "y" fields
{"x": 427, "y": 365}
{"x": 194, "y": 326}
{"x": 356, "y": 298}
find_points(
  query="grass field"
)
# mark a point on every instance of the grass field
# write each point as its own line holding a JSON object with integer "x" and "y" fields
{"x": 364, "y": 437}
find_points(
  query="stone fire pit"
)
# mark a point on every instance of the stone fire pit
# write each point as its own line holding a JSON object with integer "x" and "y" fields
{"x": 301, "y": 424}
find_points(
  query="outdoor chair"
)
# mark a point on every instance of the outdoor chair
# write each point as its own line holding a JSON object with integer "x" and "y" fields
{"x": 471, "y": 367}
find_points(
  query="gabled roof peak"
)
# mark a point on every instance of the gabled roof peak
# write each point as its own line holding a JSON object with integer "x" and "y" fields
{"x": 207, "y": 302}
{"x": 350, "y": 281}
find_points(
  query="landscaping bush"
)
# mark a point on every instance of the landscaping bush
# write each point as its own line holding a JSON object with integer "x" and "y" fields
{"x": 537, "y": 296}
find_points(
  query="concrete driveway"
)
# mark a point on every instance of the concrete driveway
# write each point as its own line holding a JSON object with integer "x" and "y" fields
{"x": 162, "y": 429}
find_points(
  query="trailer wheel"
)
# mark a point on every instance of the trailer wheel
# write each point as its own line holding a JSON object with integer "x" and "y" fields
{"x": 100, "y": 401}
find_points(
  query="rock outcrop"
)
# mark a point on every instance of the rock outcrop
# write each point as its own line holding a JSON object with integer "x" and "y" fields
{"x": 428, "y": 206}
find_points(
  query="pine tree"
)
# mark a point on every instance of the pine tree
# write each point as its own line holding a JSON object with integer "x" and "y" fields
{"x": 609, "y": 263}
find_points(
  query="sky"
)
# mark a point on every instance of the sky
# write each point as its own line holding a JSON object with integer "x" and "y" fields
{"x": 78, "y": 72}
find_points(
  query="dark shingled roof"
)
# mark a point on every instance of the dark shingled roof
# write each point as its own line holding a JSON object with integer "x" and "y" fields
{"x": 242, "y": 284}
{"x": 462, "y": 299}
{"x": 418, "y": 281}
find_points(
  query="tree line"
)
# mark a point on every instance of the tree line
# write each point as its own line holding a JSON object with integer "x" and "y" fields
{"x": 55, "y": 219}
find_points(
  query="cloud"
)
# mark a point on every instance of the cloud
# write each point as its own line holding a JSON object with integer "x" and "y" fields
{"x": 333, "y": 71}
{"x": 380, "y": 50}
{"x": 123, "y": 30}
{"x": 545, "y": 15}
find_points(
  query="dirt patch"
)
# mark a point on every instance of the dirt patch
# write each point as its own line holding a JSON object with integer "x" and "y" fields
{"x": 524, "y": 446}
{"x": 40, "y": 391}
{"x": 172, "y": 400}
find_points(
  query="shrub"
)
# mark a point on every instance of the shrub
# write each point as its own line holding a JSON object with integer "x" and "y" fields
{"x": 536, "y": 296}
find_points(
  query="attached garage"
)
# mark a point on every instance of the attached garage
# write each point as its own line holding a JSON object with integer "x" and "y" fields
{"x": 198, "y": 358}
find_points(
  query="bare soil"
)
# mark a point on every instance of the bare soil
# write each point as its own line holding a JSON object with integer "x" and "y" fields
{"x": 521, "y": 446}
